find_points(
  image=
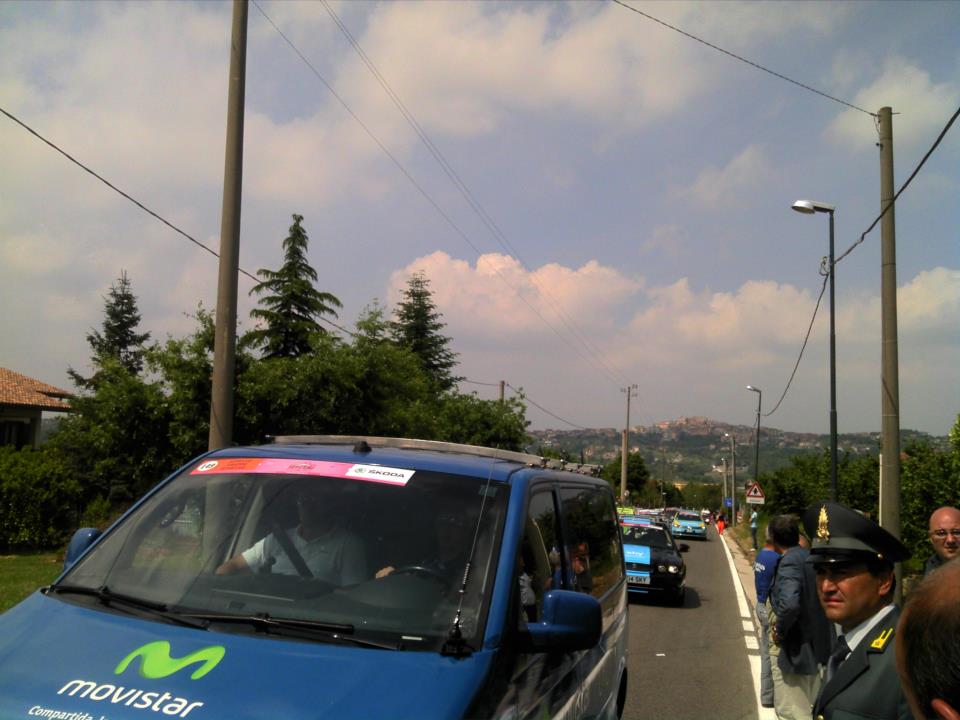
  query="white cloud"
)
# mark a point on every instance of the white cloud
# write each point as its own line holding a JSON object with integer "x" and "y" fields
{"x": 685, "y": 342}
{"x": 498, "y": 298}
{"x": 666, "y": 240}
{"x": 727, "y": 187}
{"x": 922, "y": 107}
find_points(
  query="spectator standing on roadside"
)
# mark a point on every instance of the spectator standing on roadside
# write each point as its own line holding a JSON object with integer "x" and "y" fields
{"x": 801, "y": 631}
{"x": 944, "y": 536}
{"x": 764, "y": 569}
{"x": 928, "y": 645}
{"x": 721, "y": 523}
{"x": 753, "y": 527}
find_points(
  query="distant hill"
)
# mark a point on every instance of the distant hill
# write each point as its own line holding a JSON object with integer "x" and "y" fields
{"x": 692, "y": 449}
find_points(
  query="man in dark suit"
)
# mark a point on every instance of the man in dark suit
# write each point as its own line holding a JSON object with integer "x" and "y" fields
{"x": 854, "y": 562}
{"x": 801, "y": 632}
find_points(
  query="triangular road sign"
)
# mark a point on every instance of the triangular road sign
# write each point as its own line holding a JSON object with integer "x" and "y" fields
{"x": 755, "y": 494}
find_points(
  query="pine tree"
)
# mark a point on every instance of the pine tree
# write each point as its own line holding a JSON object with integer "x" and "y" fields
{"x": 291, "y": 304}
{"x": 119, "y": 339}
{"x": 417, "y": 326}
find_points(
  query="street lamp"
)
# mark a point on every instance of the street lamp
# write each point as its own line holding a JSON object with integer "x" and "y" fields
{"x": 756, "y": 460}
{"x": 733, "y": 479}
{"x": 808, "y": 207}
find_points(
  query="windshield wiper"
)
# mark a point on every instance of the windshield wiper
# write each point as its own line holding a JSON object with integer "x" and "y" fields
{"x": 268, "y": 623}
{"x": 106, "y": 596}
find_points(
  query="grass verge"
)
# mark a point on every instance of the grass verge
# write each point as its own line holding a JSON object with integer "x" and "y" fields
{"x": 20, "y": 575}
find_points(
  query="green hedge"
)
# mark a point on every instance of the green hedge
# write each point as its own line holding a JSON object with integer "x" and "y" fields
{"x": 38, "y": 499}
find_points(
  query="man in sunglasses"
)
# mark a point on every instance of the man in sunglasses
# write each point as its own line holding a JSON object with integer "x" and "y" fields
{"x": 944, "y": 536}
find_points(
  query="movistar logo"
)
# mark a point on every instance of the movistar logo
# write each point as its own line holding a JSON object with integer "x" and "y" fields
{"x": 156, "y": 661}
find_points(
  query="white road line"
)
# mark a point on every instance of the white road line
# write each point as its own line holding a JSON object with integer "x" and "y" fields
{"x": 750, "y": 635}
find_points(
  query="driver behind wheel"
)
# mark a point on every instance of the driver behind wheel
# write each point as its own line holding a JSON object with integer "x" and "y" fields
{"x": 319, "y": 546}
{"x": 454, "y": 527}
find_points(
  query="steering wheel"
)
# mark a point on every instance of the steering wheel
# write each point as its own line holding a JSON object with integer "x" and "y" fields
{"x": 421, "y": 570}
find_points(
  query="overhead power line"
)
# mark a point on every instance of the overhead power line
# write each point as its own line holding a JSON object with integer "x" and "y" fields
{"x": 903, "y": 187}
{"x": 446, "y": 217}
{"x": 140, "y": 204}
{"x": 523, "y": 396}
{"x": 464, "y": 190}
{"x": 825, "y": 271}
{"x": 742, "y": 59}
{"x": 118, "y": 190}
{"x": 802, "y": 348}
{"x": 477, "y": 382}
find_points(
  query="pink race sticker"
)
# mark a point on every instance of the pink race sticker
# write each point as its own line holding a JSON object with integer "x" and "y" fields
{"x": 290, "y": 466}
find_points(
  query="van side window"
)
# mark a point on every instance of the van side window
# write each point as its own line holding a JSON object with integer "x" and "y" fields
{"x": 593, "y": 542}
{"x": 539, "y": 536}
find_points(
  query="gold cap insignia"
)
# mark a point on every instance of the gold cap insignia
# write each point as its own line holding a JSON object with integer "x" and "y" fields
{"x": 823, "y": 527}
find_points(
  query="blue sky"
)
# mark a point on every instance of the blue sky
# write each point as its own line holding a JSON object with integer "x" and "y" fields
{"x": 639, "y": 184}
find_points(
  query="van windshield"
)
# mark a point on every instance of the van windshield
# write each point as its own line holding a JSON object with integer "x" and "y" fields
{"x": 379, "y": 551}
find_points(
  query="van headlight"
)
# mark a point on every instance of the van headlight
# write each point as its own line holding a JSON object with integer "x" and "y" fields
{"x": 673, "y": 568}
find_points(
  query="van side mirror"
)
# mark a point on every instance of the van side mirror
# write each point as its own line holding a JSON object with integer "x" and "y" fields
{"x": 81, "y": 540}
{"x": 570, "y": 621}
{"x": 683, "y": 547}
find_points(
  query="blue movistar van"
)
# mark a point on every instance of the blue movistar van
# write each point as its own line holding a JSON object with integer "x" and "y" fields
{"x": 330, "y": 577}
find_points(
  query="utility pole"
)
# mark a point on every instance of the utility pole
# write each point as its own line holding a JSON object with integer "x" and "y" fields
{"x": 502, "y": 390}
{"x": 629, "y": 390}
{"x": 723, "y": 502}
{"x": 733, "y": 479}
{"x": 890, "y": 382}
{"x": 225, "y": 331}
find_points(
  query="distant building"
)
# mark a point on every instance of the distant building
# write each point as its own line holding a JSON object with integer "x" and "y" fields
{"x": 22, "y": 402}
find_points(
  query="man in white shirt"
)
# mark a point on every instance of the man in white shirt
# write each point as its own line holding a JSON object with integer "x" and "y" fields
{"x": 854, "y": 562}
{"x": 319, "y": 546}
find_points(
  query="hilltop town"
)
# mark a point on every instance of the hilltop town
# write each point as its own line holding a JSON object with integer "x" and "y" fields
{"x": 696, "y": 449}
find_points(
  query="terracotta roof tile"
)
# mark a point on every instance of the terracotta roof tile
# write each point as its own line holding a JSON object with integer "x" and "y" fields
{"x": 17, "y": 389}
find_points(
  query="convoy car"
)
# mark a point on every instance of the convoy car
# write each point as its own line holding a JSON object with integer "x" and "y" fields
{"x": 325, "y": 577}
{"x": 688, "y": 524}
{"x": 654, "y": 564}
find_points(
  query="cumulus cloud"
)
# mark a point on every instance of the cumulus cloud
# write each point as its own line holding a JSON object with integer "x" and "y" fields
{"x": 922, "y": 105}
{"x": 678, "y": 337}
{"x": 726, "y": 187}
{"x": 498, "y": 298}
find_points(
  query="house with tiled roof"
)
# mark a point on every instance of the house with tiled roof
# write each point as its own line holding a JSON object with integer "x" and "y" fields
{"x": 23, "y": 401}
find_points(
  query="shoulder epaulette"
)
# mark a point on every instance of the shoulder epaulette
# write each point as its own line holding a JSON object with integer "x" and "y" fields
{"x": 880, "y": 641}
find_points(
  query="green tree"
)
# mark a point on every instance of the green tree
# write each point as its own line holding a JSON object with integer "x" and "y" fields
{"x": 417, "y": 325}
{"x": 184, "y": 368}
{"x": 702, "y": 495}
{"x": 118, "y": 340}
{"x": 928, "y": 479}
{"x": 637, "y": 475}
{"x": 290, "y": 304}
{"x": 488, "y": 423}
{"x": 115, "y": 442}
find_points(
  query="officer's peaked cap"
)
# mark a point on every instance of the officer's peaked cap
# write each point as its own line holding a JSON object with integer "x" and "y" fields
{"x": 840, "y": 534}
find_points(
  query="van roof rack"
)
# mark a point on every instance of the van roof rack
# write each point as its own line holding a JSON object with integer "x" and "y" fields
{"x": 363, "y": 443}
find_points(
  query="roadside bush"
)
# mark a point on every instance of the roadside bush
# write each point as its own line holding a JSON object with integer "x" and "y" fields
{"x": 38, "y": 499}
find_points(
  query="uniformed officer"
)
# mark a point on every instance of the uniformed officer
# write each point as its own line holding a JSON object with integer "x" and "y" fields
{"x": 854, "y": 561}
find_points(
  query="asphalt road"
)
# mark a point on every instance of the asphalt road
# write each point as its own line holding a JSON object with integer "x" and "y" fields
{"x": 692, "y": 662}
